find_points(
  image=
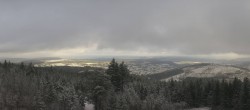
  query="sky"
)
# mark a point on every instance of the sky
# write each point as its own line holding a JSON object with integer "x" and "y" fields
{"x": 217, "y": 29}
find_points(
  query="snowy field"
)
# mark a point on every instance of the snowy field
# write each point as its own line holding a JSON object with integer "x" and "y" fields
{"x": 89, "y": 106}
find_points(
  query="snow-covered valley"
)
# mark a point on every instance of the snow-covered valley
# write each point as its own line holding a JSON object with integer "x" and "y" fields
{"x": 205, "y": 71}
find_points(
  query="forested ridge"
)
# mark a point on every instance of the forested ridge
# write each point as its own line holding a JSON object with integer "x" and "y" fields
{"x": 25, "y": 87}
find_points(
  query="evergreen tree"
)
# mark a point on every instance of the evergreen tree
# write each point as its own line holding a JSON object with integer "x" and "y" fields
{"x": 39, "y": 104}
{"x": 236, "y": 88}
{"x": 113, "y": 71}
{"x": 5, "y": 65}
{"x": 101, "y": 90}
{"x": 245, "y": 95}
{"x": 216, "y": 94}
{"x": 22, "y": 66}
{"x": 119, "y": 74}
{"x": 124, "y": 74}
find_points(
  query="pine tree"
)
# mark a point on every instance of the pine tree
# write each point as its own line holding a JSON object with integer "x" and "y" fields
{"x": 22, "y": 66}
{"x": 113, "y": 71}
{"x": 124, "y": 74}
{"x": 216, "y": 94}
{"x": 39, "y": 104}
{"x": 68, "y": 98}
{"x": 5, "y": 65}
{"x": 119, "y": 74}
{"x": 236, "y": 88}
{"x": 245, "y": 95}
{"x": 101, "y": 89}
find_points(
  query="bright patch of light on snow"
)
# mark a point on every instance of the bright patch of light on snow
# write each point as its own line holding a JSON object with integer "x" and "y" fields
{"x": 187, "y": 62}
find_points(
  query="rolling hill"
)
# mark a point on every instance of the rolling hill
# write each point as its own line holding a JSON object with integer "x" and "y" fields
{"x": 204, "y": 70}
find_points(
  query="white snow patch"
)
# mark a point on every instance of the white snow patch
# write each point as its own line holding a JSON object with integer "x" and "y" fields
{"x": 212, "y": 70}
{"x": 89, "y": 106}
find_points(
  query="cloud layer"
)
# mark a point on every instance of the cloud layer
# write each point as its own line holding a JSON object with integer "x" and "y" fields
{"x": 159, "y": 27}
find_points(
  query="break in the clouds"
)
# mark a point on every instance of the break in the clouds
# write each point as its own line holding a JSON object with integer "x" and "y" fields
{"x": 129, "y": 27}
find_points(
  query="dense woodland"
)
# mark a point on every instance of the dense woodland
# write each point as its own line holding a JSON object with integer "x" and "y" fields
{"x": 25, "y": 87}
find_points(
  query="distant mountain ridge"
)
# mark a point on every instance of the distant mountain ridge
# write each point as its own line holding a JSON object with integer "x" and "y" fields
{"x": 203, "y": 70}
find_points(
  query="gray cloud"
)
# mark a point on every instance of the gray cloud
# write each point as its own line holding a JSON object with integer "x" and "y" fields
{"x": 188, "y": 27}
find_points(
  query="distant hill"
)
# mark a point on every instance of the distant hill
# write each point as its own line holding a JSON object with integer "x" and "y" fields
{"x": 29, "y": 60}
{"x": 155, "y": 61}
{"x": 204, "y": 70}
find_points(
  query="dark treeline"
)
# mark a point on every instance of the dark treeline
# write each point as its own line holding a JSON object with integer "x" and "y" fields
{"x": 25, "y": 87}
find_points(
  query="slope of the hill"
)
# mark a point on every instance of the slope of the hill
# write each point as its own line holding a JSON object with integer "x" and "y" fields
{"x": 204, "y": 71}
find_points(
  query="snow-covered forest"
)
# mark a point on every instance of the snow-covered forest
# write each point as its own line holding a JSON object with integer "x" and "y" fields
{"x": 25, "y": 87}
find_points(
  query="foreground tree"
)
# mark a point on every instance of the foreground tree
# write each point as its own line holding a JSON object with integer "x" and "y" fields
{"x": 118, "y": 73}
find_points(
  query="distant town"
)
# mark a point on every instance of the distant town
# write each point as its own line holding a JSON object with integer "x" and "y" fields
{"x": 139, "y": 68}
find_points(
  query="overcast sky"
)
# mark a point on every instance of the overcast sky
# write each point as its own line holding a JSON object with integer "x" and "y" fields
{"x": 75, "y": 28}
